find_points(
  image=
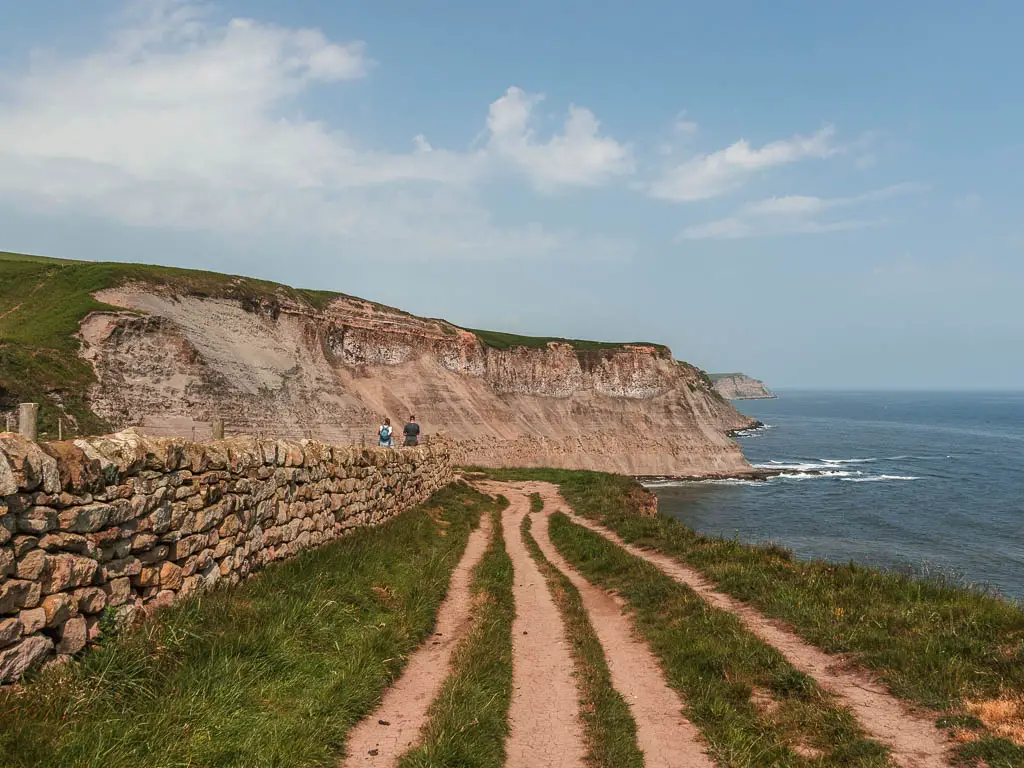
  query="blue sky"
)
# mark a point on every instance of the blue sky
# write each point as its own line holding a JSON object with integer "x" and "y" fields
{"x": 822, "y": 194}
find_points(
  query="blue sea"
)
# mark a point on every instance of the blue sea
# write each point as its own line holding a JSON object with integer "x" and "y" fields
{"x": 922, "y": 483}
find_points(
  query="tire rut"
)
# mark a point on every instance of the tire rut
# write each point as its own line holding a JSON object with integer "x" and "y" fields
{"x": 544, "y": 723}
{"x": 913, "y": 739}
{"x": 383, "y": 736}
{"x": 665, "y": 737}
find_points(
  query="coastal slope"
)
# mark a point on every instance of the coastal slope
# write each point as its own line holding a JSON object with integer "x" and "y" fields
{"x": 170, "y": 352}
{"x": 739, "y": 386}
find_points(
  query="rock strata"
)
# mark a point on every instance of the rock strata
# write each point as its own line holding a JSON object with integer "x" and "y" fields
{"x": 739, "y": 386}
{"x": 130, "y": 523}
{"x": 285, "y": 369}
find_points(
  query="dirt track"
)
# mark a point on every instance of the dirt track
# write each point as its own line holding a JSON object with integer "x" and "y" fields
{"x": 394, "y": 727}
{"x": 914, "y": 740}
{"x": 544, "y": 719}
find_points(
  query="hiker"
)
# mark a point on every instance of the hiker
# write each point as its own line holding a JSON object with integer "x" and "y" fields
{"x": 385, "y": 436}
{"x": 412, "y": 432}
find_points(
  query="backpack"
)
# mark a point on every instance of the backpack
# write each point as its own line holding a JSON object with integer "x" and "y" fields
{"x": 385, "y": 433}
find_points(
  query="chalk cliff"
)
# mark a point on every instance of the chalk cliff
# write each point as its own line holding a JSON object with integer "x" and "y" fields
{"x": 171, "y": 363}
{"x": 739, "y": 386}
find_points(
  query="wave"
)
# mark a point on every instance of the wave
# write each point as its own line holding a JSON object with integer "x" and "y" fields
{"x": 869, "y": 460}
{"x": 879, "y": 478}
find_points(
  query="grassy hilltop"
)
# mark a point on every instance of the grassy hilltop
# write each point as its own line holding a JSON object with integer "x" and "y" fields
{"x": 43, "y": 301}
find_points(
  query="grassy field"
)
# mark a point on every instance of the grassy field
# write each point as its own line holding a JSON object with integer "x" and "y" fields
{"x": 608, "y": 725}
{"x": 469, "y": 719}
{"x": 272, "y": 673}
{"x": 954, "y": 649}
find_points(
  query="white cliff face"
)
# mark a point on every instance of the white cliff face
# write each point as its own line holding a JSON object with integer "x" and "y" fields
{"x": 739, "y": 386}
{"x": 291, "y": 371}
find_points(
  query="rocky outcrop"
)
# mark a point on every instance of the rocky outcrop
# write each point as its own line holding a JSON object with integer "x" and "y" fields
{"x": 129, "y": 523}
{"x": 739, "y": 386}
{"x": 278, "y": 368}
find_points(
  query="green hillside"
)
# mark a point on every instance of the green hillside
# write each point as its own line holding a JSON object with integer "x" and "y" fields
{"x": 43, "y": 301}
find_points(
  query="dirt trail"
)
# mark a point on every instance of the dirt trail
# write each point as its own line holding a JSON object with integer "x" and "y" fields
{"x": 913, "y": 738}
{"x": 666, "y": 738}
{"x": 544, "y": 724}
{"x": 382, "y": 737}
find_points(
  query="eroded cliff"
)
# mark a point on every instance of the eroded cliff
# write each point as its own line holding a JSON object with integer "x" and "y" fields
{"x": 739, "y": 386}
{"x": 171, "y": 363}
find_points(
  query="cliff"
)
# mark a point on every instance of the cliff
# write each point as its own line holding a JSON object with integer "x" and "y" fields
{"x": 170, "y": 351}
{"x": 739, "y": 386}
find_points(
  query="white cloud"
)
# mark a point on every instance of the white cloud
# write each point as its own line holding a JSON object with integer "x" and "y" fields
{"x": 578, "y": 156}
{"x": 179, "y": 121}
{"x": 793, "y": 215}
{"x": 720, "y": 172}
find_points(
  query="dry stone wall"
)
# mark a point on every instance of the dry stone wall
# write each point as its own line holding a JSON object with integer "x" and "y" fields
{"x": 122, "y": 524}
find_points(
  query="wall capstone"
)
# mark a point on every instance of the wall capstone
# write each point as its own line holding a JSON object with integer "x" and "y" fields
{"x": 132, "y": 523}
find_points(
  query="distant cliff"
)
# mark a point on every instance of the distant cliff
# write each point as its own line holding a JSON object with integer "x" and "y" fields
{"x": 172, "y": 350}
{"x": 739, "y": 386}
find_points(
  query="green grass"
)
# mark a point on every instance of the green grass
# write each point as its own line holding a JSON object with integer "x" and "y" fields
{"x": 608, "y": 724}
{"x": 272, "y": 673}
{"x": 498, "y": 340}
{"x": 716, "y": 665}
{"x": 469, "y": 719}
{"x": 933, "y": 643}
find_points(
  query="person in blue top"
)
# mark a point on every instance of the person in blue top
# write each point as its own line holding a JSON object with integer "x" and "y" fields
{"x": 412, "y": 432}
{"x": 385, "y": 435}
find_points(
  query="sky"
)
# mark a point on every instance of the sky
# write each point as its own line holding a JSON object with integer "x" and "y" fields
{"x": 822, "y": 194}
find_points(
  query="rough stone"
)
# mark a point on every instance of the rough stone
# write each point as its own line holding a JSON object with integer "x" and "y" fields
{"x": 11, "y": 630}
{"x": 15, "y": 594}
{"x": 59, "y": 608}
{"x": 171, "y": 576}
{"x": 90, "y": 599}
{"x": 118, "y": 591}
{"x": 32, "y": 565}
{"x": 73, "y": 635}
{"x": 32, "y": 620}
{"x": 17, "y": 659}
{"x": 67, "y": 571}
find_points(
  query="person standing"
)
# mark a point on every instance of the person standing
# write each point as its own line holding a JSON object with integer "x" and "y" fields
{"x": 385, "y": 436}
{"x": 412, "y": 432}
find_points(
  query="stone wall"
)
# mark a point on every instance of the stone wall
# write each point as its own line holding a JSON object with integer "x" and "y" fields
{"x": 130, "y": 523}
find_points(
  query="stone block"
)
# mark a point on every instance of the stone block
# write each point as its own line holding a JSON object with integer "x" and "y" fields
{"x": 67, "y": 571}
{"x": 118, "y": 591}
{"x": 171, "y": 576}
{"x": 59, "y": 608}
{"x": 126, "y": 566}
{"x": 16, "y": 594}
{"x": 19, "y": 658}
{"x": 73, "y": 635}
{"x": 31, "y": 565}
{"x": 147, "y": 577}
{"x": 85, "y": 519}
{"x": 11, "y": 631}
{"x": 7, "y": 562}
{"x": 37, "y": 520}
{"x": 90, "y": 599}
{"x": 32, "y": 620}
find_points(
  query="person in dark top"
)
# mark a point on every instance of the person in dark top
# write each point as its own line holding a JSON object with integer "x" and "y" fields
{"x": 412, "y": 432}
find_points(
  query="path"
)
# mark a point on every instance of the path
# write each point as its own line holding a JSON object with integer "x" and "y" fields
{"x": 544, "y": 724}
{"x": 666, "y": 738}
{"x": 382, "y": 737}
{"x": 914, "y": 740}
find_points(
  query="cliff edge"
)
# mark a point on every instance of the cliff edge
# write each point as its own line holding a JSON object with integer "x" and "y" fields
{"x": 169, "y": 351}
{"x": 739, "y": 386}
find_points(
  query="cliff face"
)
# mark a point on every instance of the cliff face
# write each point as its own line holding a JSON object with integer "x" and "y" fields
{"x": 281, "y": 369}
{"x": 739, "y": 386}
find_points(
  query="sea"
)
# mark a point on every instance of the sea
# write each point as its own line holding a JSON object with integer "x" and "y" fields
{"x": 930, "y": 484}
